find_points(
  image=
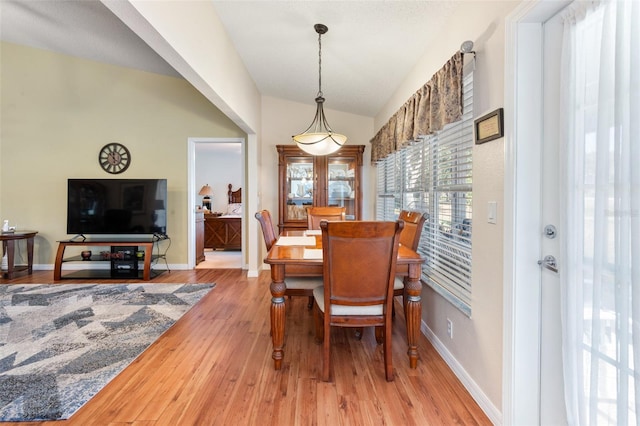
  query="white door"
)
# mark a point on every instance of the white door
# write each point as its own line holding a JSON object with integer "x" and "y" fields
{"x": 599, "y": 203}
{"x": 552, "y": 406}
{"x": 533, "y": 387}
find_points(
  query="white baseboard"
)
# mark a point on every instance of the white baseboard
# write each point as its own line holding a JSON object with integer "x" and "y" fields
{"x": 472, "y": 387}
{"x": 43, "y": 266}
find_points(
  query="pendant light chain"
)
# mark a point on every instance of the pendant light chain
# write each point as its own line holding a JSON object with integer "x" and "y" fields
{"x": 319, "y": 139}
{"x": 319, "y": 64}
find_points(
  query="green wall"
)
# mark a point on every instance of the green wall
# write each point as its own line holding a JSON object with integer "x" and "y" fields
{"x": 57, "y": 111}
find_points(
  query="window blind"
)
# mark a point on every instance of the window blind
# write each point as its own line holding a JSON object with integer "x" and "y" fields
{"x": 433, "y": 175}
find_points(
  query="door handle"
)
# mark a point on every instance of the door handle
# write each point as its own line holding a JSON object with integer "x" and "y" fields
{"x": 549, "y": 262}
{"x": 550, "y": 231}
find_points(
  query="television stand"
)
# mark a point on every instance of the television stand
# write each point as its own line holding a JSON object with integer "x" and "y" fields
{"x": 116, "y": 264}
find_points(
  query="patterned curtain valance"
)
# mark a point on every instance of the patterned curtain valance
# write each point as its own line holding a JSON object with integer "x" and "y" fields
{"x": 437, "y": 103}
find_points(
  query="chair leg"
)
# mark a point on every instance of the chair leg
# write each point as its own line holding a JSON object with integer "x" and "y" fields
{"x": 404, "y": 299}
{"x": 388, "y": 364}
{"x": 326, "y": 352}
{"x": 319, "y": 324}
{"x": 379, "y": 335}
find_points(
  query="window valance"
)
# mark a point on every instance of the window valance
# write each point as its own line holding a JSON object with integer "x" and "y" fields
{"x": 437, "y": 103}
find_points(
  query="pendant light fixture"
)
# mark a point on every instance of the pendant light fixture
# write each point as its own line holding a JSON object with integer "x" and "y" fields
{"x": 319, "y": 139}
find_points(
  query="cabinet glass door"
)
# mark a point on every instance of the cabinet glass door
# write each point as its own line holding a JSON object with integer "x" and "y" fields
{"x": 341, "y": 184}
{"x": 299, "y": 187}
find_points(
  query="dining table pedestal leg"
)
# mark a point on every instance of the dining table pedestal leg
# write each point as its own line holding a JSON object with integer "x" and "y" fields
{"x": 278, "y": 288}
{"x": 413, "y": 312}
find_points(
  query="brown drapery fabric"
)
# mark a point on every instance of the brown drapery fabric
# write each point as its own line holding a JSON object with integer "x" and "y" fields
{"x": 437, "y": 103}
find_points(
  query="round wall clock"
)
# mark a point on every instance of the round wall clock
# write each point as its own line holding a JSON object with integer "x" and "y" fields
{"x": 114, "y": 158}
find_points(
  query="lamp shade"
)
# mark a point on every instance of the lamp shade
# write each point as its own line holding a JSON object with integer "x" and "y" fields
{"x": 206, "y": 190}
{"x": 320, "y": 143}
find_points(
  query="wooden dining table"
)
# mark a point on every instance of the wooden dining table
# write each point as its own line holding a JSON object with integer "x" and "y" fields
{"x": 293, "y": 258}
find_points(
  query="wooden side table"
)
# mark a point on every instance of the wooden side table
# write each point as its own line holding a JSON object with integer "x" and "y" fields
{"x": 8, "y": 246}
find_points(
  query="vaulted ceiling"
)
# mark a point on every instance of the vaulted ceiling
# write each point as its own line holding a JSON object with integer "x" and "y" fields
{"x": 369, "y": 48}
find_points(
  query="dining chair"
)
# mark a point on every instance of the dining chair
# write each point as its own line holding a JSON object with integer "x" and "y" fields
{"x": 268, "y": 231}
{"x": 296, "y": 286}
{"x": 359, "y": 268}
{"x": 410, "y": 237}
{"x": 317, "y": 214}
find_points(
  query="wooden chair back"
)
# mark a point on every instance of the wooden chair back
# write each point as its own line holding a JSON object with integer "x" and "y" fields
{"x": 358, "y": 272}
{"x": 297, "y": 285}
{"x": 317, "y": 214}
{"x": 410, "y": 237}
{"x": 359, "y": 261}
{"x": 269, "y": 233}
{"x": 234, "y": 197}
{"x": 413, "y": 224}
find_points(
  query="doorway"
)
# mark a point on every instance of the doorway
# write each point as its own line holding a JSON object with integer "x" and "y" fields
{"x": 216, "y": 162}
{"x": 528, "y": 329}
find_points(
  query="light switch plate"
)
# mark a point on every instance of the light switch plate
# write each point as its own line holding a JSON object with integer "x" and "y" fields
{"x": 492, "y": 212}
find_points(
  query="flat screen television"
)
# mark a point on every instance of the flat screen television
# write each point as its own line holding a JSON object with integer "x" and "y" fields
{"x": 117, "y": 206}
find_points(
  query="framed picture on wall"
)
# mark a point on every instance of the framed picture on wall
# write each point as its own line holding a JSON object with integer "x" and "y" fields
{"x": 489, "y": 127}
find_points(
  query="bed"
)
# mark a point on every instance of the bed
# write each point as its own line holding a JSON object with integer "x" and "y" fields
{"x": 224, "y": 231}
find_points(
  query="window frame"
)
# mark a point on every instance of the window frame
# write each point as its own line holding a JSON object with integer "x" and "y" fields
{"x": 433, "y": 175}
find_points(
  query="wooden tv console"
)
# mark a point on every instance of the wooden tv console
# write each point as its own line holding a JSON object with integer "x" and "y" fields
{"x": 139, "y": 243}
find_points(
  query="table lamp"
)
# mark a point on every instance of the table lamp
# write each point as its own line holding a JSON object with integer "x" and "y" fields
{"x": 206, "y": 192}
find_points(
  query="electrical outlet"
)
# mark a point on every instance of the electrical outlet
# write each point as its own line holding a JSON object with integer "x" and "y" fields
{"x": 449, "y": 328}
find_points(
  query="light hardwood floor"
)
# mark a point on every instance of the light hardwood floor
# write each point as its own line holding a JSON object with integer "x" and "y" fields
{"x": 220, "y": 259}
{"x": 214, "y": 367}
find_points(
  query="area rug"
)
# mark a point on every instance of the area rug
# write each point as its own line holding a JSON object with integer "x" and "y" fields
{"x": 60, "y": 344}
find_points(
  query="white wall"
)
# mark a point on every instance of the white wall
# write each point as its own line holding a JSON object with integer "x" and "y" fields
{"x": 281, "y": 120}
{"x": 176, "y": 30}
{"x": 476, "y": 347}
{"x": 218, "y": 165}
{"x": 56, "y": 113}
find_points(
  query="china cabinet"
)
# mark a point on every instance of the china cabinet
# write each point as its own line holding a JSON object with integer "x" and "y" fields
{"x": 306, "y": 180}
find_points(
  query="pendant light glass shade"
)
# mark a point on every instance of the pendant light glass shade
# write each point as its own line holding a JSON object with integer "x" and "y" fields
{"x": 320, "y": 143}
{"x": 319, "y": 139}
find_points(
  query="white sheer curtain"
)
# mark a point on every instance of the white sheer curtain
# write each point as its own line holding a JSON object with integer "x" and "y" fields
{"x": 601, "y": 196}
